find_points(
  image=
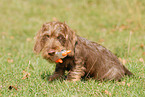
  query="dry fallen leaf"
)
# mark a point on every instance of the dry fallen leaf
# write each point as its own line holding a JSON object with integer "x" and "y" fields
{"x": 1, "y": 87}
{"x": 45, "y": 92}
{"x": 123, "y": 27}
{"x": 129, "y": 20}
{"x": 122, "y": 60}
{"x": 133, "y": 48}
{"x": 9, "y": 54}
{"x": 120, "y": 28}
{"x": 143, "y": 53}
{"x": 141, "y": 60}
{"x": 4, "y": 33}
{"x": 28, "y": 39}
{"x": 100, "y": 84}
{"x": 101, "y": 40}
{"x": 11, "y": 37}
{"x": 106, "y": 92}
{"x": 104, "y": 30}
{"x": 142, "y": 46}
{"x": 128, "y": 84}
{"x": 122, "y": 83}
{"x": 11, "y": 87}
{"x": 54, "y": 19}
{"x": 10, "y": 60}
{"x": 26, "y": 75}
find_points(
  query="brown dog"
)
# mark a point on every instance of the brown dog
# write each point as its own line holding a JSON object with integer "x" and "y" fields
{"x": 87, "y": 59}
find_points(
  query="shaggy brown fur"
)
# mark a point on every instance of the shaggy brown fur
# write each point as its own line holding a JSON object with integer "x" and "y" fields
{"x": 87, "y": 59}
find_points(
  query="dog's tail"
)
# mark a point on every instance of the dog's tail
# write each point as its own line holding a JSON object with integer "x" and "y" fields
{"x": 127, "y": 72}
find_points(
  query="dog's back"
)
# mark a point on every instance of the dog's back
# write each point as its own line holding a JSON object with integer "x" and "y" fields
{"x": 100, "y": 63}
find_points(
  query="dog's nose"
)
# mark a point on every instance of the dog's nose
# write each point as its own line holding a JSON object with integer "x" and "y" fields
{"x": 51, "y": 52}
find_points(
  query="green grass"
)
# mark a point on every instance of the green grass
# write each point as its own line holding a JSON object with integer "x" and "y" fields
{"x": 108, "y": 22}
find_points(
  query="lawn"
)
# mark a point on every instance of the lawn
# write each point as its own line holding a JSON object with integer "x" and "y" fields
{"x": 119, "y": 25}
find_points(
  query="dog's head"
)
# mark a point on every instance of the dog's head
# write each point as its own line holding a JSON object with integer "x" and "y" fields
{"x": 54, "y": 37}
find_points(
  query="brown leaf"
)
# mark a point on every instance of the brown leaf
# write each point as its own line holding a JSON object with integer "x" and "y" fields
{"x": 120, "y": 59}
{"x": 129, "y": 20}
{"x": 45, "y": 92}
{"x": 104, "y": 30}
{"x": 10, "y": 60}
{"x": 26, "y": 75}
{"x": 108, "y": 93}
{"x": 1, "y": 87}
{"x": 54, "y": 19}
{"x": 143, "y": 53}
{"x": 123, "y": 61}
{"x": 122, "y": 83}
{"x": 141, "y": 60}
{"x": 9, "y": 54}
{"x": 122, "y": 27}
{"x": 24, "y": 72}
{"x": 101, "y": 40}
{"x": 142, "y": 46}
{"x": 133, "y": 48}
{"x": 100, "y": 84}
{"x": 4, "y": 33}
{"x": 113, "y": 30}
{"x": 11, "y": 37}
{"x": 128, "y": 84}
{"x": 11, "y": 87}
{"x": 28, "y": 39}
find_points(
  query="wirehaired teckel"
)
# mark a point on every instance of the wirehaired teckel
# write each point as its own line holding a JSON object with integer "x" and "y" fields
{"x": 86, "y": 60}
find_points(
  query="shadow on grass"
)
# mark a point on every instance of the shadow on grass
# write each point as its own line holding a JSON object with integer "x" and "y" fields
{"x": 45, "y": 75}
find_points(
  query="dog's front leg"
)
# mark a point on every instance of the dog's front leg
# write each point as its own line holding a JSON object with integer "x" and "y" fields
{"x": 77, "y": 72}
{"x": 58, "y": 73}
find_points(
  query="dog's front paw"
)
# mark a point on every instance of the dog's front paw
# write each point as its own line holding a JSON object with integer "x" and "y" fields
{"x": 51, "y": 78}
{"x": 54, "y": 77}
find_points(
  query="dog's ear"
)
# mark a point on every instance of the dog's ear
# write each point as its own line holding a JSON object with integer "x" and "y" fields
{"x": 71, "y": 39}
{"x": 38, "y": 44}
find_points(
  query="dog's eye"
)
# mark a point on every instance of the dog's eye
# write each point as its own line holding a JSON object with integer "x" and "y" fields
{"x": 47, "y": 36}
{"x": 61, "y": 39}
